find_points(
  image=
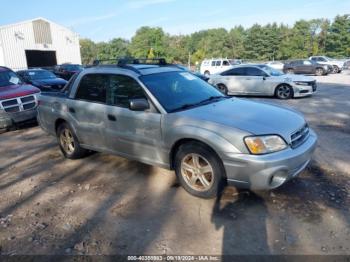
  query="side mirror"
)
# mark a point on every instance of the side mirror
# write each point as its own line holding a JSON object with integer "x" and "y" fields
{"x": 138, "y": 104}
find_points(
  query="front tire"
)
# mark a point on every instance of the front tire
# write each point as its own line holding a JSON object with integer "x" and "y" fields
{"x": 69, "y": 143}
{"x": 320, "y": 72}
{"x": 284, "y": 92}
{"x": 207, "y": 73}
{"x": 222, "y": 88}
{"x": 199, "y": 170}
{"x": 336, "y": 69}
{"x": 290, "y": 71}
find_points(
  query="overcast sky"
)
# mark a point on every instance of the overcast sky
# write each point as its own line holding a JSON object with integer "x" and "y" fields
{"x": 105, "y": 19}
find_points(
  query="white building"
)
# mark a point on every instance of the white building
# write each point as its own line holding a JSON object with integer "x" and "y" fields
{"x": 37, "y": 43}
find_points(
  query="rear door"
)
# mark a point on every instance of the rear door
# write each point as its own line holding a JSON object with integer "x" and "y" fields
{"x": 234, "y": 79}
{"x": 135, "y": 134}
{"x": 256, "y": 81}
{"x": 87, "y": 110}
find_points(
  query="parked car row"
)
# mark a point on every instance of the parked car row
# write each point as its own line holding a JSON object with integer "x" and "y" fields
{"x": 315, "y": 65}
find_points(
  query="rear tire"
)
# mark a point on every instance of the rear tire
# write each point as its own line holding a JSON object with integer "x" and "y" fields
{"x": 319, "y": 72}
{"x": 336, "y": 69}
{"x": 69, "y": 143}
{"x": 284, "y": 92}
{"x": 199, "y": 170}
{"x": 222, "y": 88}
{"x": 207, "y": 73}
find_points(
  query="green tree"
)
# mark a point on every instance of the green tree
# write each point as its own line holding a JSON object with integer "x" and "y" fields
{"x": 88, "y": 50}
{"x": 338, "y": 39}
{"x": 147, "y": 38}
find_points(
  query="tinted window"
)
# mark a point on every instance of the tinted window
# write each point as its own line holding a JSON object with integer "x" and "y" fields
{"x": 240, "y": 71}
{"x": 8, "y": 78}
{"x": 72, "y": 67}
{"x": 213, "y": 63}
{"x": 218, "y": 63}
{"x": 39, "y": 74}
{"x": 122, "y": 89}
{"x": 252, "y": 71}
{"x": 93, "y": 88}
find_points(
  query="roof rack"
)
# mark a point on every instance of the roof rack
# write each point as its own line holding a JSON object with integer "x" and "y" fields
{"x": 127, "y": 62}
{"x": 130, "y": 60}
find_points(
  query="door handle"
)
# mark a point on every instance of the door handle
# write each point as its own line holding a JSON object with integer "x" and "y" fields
{"x": 111, "y": 117}
{"x": 72, "y": 110}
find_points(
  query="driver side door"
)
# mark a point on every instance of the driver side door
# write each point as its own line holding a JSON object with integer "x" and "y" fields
{"x": 134, "y": 134}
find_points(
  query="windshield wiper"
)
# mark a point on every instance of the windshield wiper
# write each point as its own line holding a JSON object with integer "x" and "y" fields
{"x": 212, "y": 98}
{"x": 187, "y": 106}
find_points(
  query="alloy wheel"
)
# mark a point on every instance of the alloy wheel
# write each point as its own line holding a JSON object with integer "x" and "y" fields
{"x": 284, "y": 92}
{"x": 197, "y": 172}
{"x": 67, "y": 141}
{"x": 319, "y": 72}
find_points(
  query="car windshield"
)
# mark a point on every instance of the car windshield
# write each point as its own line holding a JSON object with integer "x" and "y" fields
{"x": 40, "y": 74}
{"x": 73, "y": 67}
{"x": 271, "y": 71}
{"x": 8, "y": 78}
{"x": 178, "y": 91}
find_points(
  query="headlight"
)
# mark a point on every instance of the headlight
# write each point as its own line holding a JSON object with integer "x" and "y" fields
{"x": 301, "y": 83}
{"x": 258, "y": 145}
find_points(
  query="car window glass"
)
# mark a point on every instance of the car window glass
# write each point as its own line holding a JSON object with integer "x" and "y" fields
{"x": 213, "y": 63}
{"x": 240, "y": 71}
{"x": 218, "y": 63}
{"x": 93, "y": 88}
{"x": 122, "y": 89}
{"x": 225, "y": 63}
{"x": 252, "y": 71}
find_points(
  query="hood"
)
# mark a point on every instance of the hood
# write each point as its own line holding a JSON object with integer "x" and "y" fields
{"x": 13, "y": 91}
{"x": 49, "y": 82}
{"x": 253, "y": 117}
{"x": 292, "y": 77}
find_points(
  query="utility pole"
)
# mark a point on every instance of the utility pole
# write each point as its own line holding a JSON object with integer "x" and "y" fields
{"x": 189, "y": 61}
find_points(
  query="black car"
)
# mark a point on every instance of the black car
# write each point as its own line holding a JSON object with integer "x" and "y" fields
{"x": 305, "y": 67}
{"x": 66, "y": 71}
{"x": 43, "y": 79}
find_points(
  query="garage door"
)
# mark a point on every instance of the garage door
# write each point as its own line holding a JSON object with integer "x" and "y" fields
{"x": 37, "y": 58}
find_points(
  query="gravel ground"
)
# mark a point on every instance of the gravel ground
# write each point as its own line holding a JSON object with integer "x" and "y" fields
{"x": 104, "y": 204}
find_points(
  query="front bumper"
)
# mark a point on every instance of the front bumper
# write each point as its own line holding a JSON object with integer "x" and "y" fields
{"x": 307, "y": 90}
{"x": 268, "y": 171}
{"x": 7, "y": 120}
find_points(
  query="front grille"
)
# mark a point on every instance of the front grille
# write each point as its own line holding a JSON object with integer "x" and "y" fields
{"x": 299, "y": 136}
{"x": 10, "y": 102}
{"x": 29, "y": 106}
{"x": 27, "y": 99}
{"x": 19, "y": 104}
{"x": 12, "y": 109}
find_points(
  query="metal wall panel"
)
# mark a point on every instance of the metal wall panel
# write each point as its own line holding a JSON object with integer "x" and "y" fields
{"x": 20, "y": 37}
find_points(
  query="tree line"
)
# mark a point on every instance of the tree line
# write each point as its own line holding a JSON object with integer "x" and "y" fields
{"x": 269, "y": 42}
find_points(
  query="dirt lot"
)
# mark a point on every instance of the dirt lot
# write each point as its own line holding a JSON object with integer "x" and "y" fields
{"x": 108, "y": 205}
